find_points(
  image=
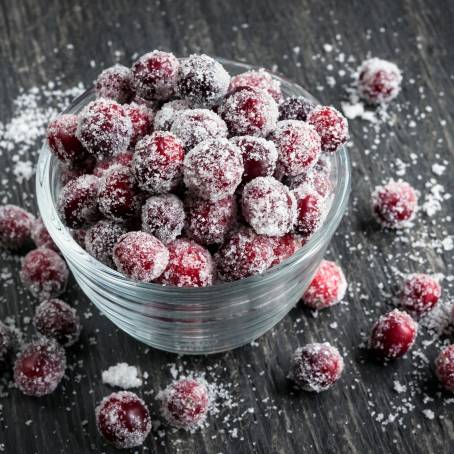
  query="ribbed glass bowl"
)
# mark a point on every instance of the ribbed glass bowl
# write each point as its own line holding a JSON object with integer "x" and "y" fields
{"x": 188, "y": 320}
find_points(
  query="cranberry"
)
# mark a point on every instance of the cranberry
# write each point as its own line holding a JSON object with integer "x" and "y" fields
{"x": 379, "y": 81}
{"x": 163, "y": 216}
{"x": 40, "y": 367}
{"x": 295, "y": 108}
{"x": 40, "y": 235}
{"x": 284, "y": 247}
{"x": 202, "y": 80}
{"x": 309, "y": 210}
{"x": 444, "y": 367}
{"x": 298, "y": 145}
{"x": 166, "y": 115}
{"x": 393, "y": 335}
{"x": 327, "y": 287}
{"x": 100, "y": 239}
{"x": 6, "y": 340}
{"x": 142, "y": 121}
{"x": 140, "y": 256}
{"x": 79, "y": 236}
{"x": 158, "y": 162}
{"x": 315, "y": 179}
{"x": 115, "y": 83}
{"x": 213, "y": 169}
{"x": 185, "y": 403}
{"x": 15, "y": 226}
{"x": 155, "y": 75}
{"x": 68, "y": 174}
{"x": 260, "y": 79}
{"x": 104, "y": 128}
{"x": 420, "y": 293}
{"x": 394, "y": 204}
{"x": 248, "y": 111}
{"x": 331, "y": 125}
{"x": 44, "y": 273}
{"x": 123, "y": 419}
{"x": 78, "y": 202}
{"x": 316, "y": 367}
{"x": 268, "y": 206}
{"x": 124, "y": 159}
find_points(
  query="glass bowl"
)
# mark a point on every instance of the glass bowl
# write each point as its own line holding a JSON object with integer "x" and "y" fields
{"x": 193, "y": 320}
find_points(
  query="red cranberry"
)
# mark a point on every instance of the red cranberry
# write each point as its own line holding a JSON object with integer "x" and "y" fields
{"x": 155, "y": 75}
{"x": 319, "y": 181}
{"x": 379, "y": 81}
{"x": 202, "y": 80}
{"x": 394, "y": 204}
{"x": 327, "y": 287}
{"x": 78, "y": 202}
{"x": 6, "y": 340}
{"x": 166, "y": 115}
{"x": 124, "y": 159}
{"x": 185, "y": 403}
{"x": 163, "y": 216}
{"x": 331, "y": 125}
{"x": 40, "y": 367}
{"x": 15, "y": 226}
{"x": 158, "y": 162}
{"x": 115, "y": 83}
{"x": 295, "y": 108}
{"x": 123, "y": 420}
{"x": 104, "y": 128}
{"x": 44, "y": 273}
{"x": 298, "y": 145}
{"x": 57, "y": 320}
{"x": 420, "y": 293}
{"x": 142, "y": 121}
{"x": 79, "y": 236}
{"x": 444, "y": 367}
{"x": 140, "y": 256}
{"x": 284, "y": 247}
{"x": 258, "y": 79}
{"x": 316, "y": 367}
{"x": 213, "y": 169}
{"x": 309, "y": 210}
{"x": 248, "y": 111}
{"x": 393, "y": 335}
{"x": 40, "y": 235}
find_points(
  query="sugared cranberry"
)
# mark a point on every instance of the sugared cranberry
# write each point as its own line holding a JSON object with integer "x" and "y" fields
{"x": 190, "y": 265}
{"x": 298, "y": 145}
{"x": 420, "y": 293}
{"x": 104, "y": 128}
{"x": 79, "y": 236}
{"x": 62, "y": 140}
{"x": 163, "y": 216}
{"x": 393, "y": 335}
{"x": 57, "y": 320}
{"x": 284, "y": 247}
{"x": 309, "y": 210}
{"x": 185, "y": 403}
{"x": 244, "y": 254}
{"x": 78, "y": 202}
{"x": 202, "y": 80}
{"x": 40, "y": 235}
{"x": 379, "y": 81}
{"x": 142, "y": 121}
{"x": 259, "y": 156}
{"x": 123, "y": 419}
{"x": 68, "y": 174}
{"x": 316, "y": 367}
{"x": 115, "y": 83}
{"x": 6, "y": 340}
{"x": 40, "y": 367}
{"x": 331, "y": 126}
{"x": 444, "y": 367}
{"x": 394, "y": 204}
{"x": 166, "y": 115}
{"x": 260, "y": 79}
{"x": 44, "y": 273}
{"x": 140, "y": 256}
{"x": 158, "y": 162}
{"x": 249, "y": 111}
{"x": 319, "y": 181}
{"x": 193, "y": 126}
{"x": 15, "y": 226}
{"x": 268, "y": 206}
{"x": 101, "y": 238}
{"x": 155, "y": 75}
{"x": 327, "y": 287}
{"x": 124, "y": 159}
{"x": 213, "y": 169}
{"x": 295, "y": 108}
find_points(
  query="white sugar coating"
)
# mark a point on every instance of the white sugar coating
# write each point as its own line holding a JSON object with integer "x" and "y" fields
{"x": 115, "y": 83}
{"x": 122, "y": 375}
{"x": 165, "y": 116}
{"x": 193, "y": 126}
{"x": 258, "y": 79}
{"x": 268, "y": 206}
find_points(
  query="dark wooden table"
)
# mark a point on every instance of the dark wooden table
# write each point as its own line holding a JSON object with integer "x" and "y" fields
{"x": 43, "y": 40}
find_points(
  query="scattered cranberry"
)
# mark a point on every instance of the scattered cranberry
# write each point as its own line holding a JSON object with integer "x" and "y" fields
{"x": 284, "y": 247}
{"x": 309, "y": 210}
{"x": 6, "y": 340}
{"x": 15, "y": 226}
{"x": 316, "y": 367}
{"x": 327, "y": 287}
{"x": 124, "y": 159}
{"x": 123, "y": 419}
{"x": 420, "y": 293}
{"x": 379, "y": 81}
{"x": 260, "y": 79}
{"x": 40, "y": 235}
{"x": 331, "y": 125}
{"x": 394, "y": 204}
{"x": 40, "y": 367}
{"x": 140, "y": 256}
{"x": 163, "y": 216}
{"x": 295, "y": 108}
{"x": 115, "y": 83}
{"x": 141, "y": 119}
{"x": 393, "y": 335}
{"x": 444, "y": 367}
{"x": 44, "y": 273}
{"x": 185, "y": 403}
{"x": 166, "y": 115}
{"x": 158, "y": 162}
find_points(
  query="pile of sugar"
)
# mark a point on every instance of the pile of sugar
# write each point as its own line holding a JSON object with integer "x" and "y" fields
{"x": 122, "y": 375}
